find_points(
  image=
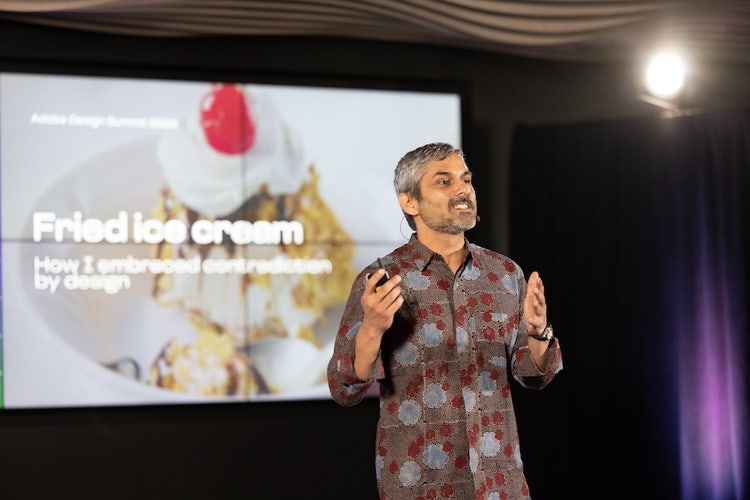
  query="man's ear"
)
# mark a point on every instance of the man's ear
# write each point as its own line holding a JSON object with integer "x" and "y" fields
{"x": 407, "y": 204}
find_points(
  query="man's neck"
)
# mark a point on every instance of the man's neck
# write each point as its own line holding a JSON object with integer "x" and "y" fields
{"x": 449, "y": 246}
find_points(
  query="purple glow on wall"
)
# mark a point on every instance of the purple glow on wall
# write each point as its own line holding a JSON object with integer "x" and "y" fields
{"x": 713, "y": 410}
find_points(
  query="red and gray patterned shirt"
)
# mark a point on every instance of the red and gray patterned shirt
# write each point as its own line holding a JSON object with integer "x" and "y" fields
{"x": 447, "y": 427}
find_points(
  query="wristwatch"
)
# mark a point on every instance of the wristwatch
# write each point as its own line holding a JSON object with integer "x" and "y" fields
{"x": 546, "y": 335}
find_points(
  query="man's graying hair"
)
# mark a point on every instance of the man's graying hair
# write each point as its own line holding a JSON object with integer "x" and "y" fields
{"x": 411, "y": 166}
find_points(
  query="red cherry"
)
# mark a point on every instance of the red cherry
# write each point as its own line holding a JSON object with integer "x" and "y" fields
{"x": 226, "y": 121}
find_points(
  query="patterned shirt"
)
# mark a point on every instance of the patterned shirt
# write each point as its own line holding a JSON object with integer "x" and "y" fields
{"x": 447, "y": 427}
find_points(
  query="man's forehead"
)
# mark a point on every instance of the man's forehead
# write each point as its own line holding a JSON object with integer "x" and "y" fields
{"x": 453, "y": 164}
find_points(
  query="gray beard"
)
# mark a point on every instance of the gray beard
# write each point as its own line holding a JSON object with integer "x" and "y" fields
{"x": 453, "y": 226}
{"x": 450, "y": 226}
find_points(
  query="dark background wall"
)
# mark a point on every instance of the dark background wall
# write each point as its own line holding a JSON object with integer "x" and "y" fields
{"x": 293, "y": 449}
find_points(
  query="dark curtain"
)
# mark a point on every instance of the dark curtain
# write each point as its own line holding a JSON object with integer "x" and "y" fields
{"x": 640, "y": 230}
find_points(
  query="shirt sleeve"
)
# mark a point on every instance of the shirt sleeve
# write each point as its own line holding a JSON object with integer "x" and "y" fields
{"x": 527, "y": 373}
{"x": 346, "y": 387}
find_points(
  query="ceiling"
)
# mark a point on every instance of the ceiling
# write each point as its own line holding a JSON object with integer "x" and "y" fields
{"x": 583, "y": 30}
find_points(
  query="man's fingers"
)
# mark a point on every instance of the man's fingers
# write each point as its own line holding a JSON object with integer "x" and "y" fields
{"x": 384, "y": 296}
{"x": 372, "y": 280}
{"x": 387, "y": 287}
{"x": 395, "y": 305}
{"x": 391, "y": 292}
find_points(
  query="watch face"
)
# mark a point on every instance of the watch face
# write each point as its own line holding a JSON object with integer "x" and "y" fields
{"x": 547, "y": 334}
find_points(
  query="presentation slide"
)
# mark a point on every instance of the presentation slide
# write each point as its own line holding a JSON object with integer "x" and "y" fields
{"x": 169, "y": 241}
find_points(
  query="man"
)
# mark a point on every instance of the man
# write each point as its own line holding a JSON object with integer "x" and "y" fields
{"x": 440, "y": 336}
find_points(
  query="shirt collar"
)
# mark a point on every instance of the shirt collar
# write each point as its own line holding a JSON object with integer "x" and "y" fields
{"x": 471, "y": 253}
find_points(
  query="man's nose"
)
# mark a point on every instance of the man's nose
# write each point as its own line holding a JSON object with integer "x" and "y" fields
{"x": 463, "y": 189}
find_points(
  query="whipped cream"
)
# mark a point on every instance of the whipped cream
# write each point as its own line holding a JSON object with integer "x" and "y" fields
{"x": 216, "y": 184}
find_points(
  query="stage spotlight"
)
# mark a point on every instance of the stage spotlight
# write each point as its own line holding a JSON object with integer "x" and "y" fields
{"x": 665, "y": 74}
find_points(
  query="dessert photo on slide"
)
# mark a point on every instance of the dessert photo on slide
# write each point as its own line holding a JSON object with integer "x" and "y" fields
{"x": 171, "y": 241}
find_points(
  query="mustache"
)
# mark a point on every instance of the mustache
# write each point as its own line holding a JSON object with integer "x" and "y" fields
{"x": 461, "y": 200}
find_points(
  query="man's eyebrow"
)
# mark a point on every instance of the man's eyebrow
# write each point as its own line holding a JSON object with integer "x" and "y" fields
{"x": 447, "y": 173}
